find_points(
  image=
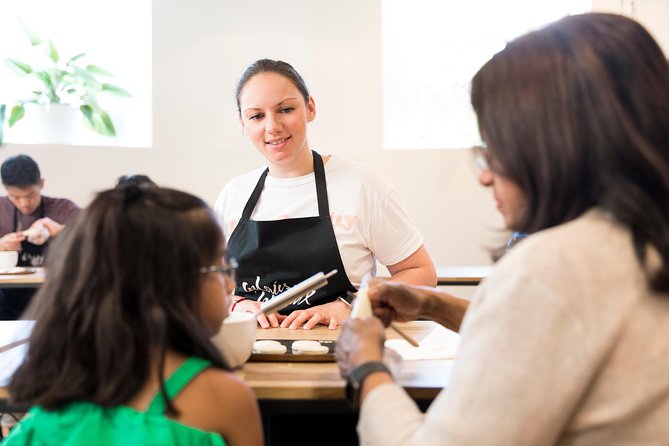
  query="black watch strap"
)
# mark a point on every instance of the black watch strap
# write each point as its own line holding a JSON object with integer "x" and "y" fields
{"x": 357, "y": 376}
{"x": 348, "y": 297}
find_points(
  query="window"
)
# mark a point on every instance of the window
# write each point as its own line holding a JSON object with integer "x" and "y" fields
{"x": 116, "y": 36}
{"x": 430, "y": 51}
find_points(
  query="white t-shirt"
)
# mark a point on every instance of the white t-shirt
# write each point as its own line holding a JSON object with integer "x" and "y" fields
{"x": 368, "y": 220}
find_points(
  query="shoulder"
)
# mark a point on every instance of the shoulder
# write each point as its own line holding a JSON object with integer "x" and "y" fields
{"x": 218, "y": 401}
{"x": 591, "y": 256}
{"x": 222, "y": 388}
{"x": 240, "y": 185}
{"x": 60, "y": 204}
{"x": 587, "y": 240}
{"x": 352, "y": 173}
{"x": 226, "y": 385}
{"x": 5, "y": 204}
{"x": 249, "y": 179}
{"x": 343, "y": 166}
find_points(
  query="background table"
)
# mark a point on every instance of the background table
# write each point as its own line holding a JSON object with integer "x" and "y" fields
{"x": 32, "y": 280}
{"x": 462, "y": 275}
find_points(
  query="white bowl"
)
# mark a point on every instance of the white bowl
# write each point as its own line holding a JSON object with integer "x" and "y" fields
{"x": 236, "y": 337}
{"x": 8, "y": 259}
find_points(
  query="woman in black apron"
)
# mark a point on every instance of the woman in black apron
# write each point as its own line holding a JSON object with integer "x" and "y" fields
{"x": 274, "y": 255}
{"x": 288, "y": 251}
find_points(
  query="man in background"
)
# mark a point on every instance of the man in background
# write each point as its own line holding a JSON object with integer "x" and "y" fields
{"x": 27, "y": 221}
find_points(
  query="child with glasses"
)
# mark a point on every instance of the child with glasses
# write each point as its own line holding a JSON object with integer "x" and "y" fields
{"x": 120, "y": 353}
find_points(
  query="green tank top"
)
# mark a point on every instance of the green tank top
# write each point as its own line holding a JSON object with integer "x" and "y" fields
{"x": 84, "y": 423}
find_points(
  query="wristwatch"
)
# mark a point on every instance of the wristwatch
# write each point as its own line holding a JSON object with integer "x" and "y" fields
{"x": 355, "y": 379}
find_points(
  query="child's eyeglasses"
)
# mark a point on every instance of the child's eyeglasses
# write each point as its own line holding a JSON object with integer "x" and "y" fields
{"x": 228, "y": 271}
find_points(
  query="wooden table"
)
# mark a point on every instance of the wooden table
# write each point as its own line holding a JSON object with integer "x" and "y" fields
{"x": 281, "y": 381}
{"x": 286, "y": 391}
{"x": 306, "y": 393}
{"x": 462, "y": 275}
{"x": 32, "y": 280}
{"x": 321, "y": 381}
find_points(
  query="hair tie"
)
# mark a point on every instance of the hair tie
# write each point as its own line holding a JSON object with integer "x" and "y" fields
{"x": 131, "y": 193}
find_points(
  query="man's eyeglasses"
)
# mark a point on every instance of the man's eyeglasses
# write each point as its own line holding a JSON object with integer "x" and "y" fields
{"x": 481, "y": 156}
{"x": 228, "y": 271}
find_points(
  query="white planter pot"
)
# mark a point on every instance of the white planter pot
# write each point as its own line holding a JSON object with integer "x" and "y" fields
{"x": 46, "y": 124}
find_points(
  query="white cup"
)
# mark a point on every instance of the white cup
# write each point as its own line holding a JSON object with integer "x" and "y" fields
{"x": 236, "y": 337}
{"x": 8, "y": 259}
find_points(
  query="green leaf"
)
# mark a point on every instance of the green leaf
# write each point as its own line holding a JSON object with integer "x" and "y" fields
{"x": 18, "y": 112}
{"x": 85, "y": 76}
{"x": 50, "y": 89}
{"x": 18, "y": 67}
{"x": 108, "y": 124}
{"x": 75, "y": 58}
{"x": 99, "y": 120}
{"x": 97, "y": 70}
{"x": 33, "y": 37}
{"x": 114, "y": 89}
{"x": 88, "y": 112}
{"x": 52, "y": 52}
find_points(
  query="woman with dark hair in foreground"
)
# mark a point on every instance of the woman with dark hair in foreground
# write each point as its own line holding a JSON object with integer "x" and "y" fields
{"x": 567, "y": 342}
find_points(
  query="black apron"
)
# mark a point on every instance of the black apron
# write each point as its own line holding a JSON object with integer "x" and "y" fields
{"x": 275, "y": 255}
{"x": 31, "y": 254}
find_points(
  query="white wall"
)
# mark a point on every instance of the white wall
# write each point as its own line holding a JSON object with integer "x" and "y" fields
{"x": 201, "y": 48}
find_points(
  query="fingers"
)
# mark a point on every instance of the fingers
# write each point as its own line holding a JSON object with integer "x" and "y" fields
{"x": 385, "y": 314}
{"x": 333, "y": 324}
{"x": 289, "y": 319}
{"x": 311, "y": 323}
{"x": 303, "y": 317}
{"x": 12, "y": 241}
{"x": 273, "y": 320}
{"x": 262, "y": 320}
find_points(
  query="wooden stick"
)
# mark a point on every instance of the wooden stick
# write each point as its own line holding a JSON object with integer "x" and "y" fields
{"x": 402, "y": 333}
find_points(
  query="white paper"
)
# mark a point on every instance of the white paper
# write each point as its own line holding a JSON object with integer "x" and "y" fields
{"x": 441, "y": 343}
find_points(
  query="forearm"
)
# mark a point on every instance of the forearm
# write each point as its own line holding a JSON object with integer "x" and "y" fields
{"x": 420, "y": 276}
{"x": 442, "y": 307}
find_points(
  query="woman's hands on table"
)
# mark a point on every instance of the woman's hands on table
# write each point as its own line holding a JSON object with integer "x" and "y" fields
{"x": 243, "y": 305}
{"x": 331, "y": 314}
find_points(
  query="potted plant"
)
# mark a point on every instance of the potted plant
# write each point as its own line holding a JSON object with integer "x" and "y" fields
{"x": 65, "y": 82}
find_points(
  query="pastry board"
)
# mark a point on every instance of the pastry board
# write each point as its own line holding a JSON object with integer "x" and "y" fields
{"x": 289, "y": 356}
